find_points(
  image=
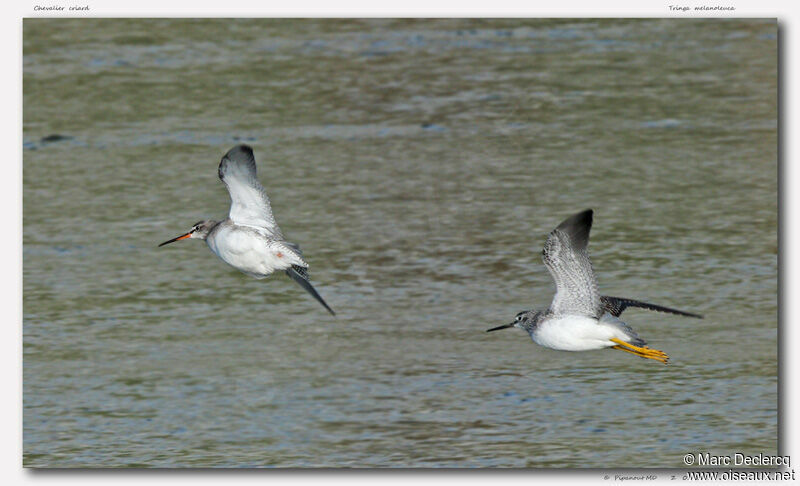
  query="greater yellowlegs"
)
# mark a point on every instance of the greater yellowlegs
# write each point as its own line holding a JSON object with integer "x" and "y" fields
{"x": 579, "y": 318}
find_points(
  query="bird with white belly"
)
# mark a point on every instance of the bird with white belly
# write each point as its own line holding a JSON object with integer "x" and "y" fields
{"x": 249, "y": 239}
{"x": 579, "y": 318}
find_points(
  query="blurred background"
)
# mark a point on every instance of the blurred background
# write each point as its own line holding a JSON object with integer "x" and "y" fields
{"x": 420, "y": 165}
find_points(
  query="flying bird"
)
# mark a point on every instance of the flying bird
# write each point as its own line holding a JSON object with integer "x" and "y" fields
{"x": 249, "y": 239}
{"x": 579, "y": 318}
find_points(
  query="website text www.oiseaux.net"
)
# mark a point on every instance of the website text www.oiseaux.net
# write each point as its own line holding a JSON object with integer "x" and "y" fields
{"x": 731, "y": 475}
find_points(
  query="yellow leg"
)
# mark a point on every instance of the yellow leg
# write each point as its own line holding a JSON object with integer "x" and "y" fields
{"x": 643, "y": 352}
{"x": 663, "y": 359}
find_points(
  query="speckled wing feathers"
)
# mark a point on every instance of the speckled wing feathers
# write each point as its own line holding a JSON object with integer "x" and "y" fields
{"x": 566, "y": 256}
{"x": 249, "y": 202}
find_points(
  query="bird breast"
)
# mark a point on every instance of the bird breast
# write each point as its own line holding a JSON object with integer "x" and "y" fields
{"x": 251, "y": 252}
{"x": 575, "y": 333}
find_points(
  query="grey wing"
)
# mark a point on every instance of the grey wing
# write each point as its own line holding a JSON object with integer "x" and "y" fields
{"x": 566, "y": 256}
{"x": 617, "y": 305}
{"x": 249, "y": 202}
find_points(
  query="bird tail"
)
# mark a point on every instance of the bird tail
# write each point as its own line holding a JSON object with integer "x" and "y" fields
{"x": 300, "y": 275}
{"x": 614, "y": 321}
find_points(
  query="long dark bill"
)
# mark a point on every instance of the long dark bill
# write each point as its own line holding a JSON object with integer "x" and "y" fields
{"x": 504, "y": 326}
{"x": 177, "y": 238}
{"x": 297, "y": 277}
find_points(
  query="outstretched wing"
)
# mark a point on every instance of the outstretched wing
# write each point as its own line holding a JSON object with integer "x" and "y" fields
{"x": 249, "y": 202}
{"x": 617, "y": 305}
{"x": 566, "y": 256}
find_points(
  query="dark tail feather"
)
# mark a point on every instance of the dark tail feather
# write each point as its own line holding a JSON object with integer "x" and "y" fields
{"x": 616, "y": 305}
{"x": 299, "y": 275}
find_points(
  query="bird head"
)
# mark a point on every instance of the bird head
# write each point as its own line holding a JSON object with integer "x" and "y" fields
{"x": 199, "y": 230}
{"x": 524, "y": 320}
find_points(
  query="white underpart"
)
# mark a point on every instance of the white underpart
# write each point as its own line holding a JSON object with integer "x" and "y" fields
{"x": 579, "y": 333}
{"x": 251, "y": 254}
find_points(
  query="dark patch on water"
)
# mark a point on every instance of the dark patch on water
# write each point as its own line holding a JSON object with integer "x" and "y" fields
{"x": 55, "y": 138}
{"x": 432, "y": 127}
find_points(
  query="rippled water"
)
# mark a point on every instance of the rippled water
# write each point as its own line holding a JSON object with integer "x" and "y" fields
{"x": 420, "y": 164}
